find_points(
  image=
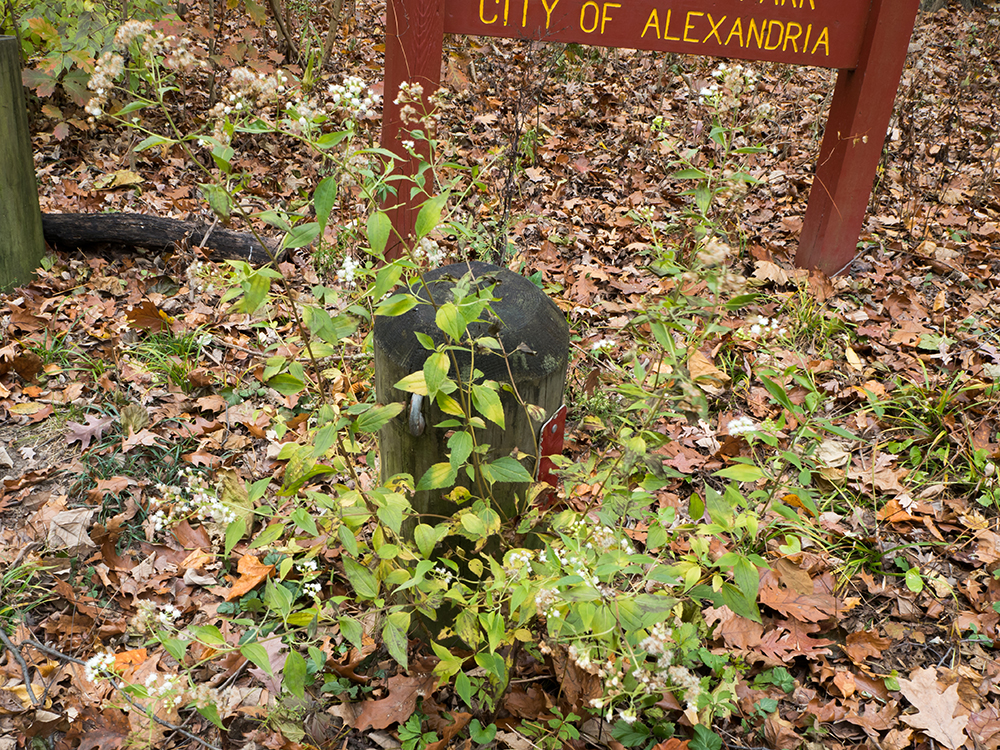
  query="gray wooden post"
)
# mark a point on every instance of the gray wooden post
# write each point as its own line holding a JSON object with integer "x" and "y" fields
{"x": 535, "y": 335}
{"x": 21, "y": 242}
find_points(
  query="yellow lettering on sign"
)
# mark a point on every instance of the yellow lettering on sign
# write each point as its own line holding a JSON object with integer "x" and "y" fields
{"x": 653, "y": 21}
{"x": 688, "y": 25}
{"x": 604, "y": 13}
{"x": 583, "y": 13}
{"x": 791, "y": 38}
{"x": 548, "y": 11}
{"x": 715, "y": 28}
{"x": 666, "y": 30}
{"x": 781, "y": 33}
{"x": 524, "y": 15}
{"x": 753, "y": 32}
{"x": 736, "y": 31}
{"x": 824, "y": 40}
{"x": 482, "y": 16}
{"x": 809, "y": 31}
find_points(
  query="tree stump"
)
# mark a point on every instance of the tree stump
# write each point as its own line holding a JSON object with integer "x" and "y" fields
{"x": 21, "y": 242}
{"x": 534, "y": 333}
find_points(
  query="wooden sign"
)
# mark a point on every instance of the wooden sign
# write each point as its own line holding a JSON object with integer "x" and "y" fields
{"x": 794, "y": 31}
{"x": 865, "y": 39}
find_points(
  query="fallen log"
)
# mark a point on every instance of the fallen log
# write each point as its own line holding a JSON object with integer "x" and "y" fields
{"x": 153, "y": 232}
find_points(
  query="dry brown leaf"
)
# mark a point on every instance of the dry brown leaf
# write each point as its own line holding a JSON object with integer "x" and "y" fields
{"x": 936, "y": 707}
{"x": 252, "y": 571}
{"x": 399, "y": 705}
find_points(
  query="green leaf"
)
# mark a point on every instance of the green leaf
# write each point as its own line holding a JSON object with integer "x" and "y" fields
{"x": 704, "y": 739}
{"x": 361, "y": 579}
{"x": 438, "y": 476}
{"x": 324, "y": 196}
{"x": 450, "y": 321}
{"x": 394, "y": 636}
{"x": 463, "y": 688}
{"x": 460, "y": 445}
{"x": 449, "y": 664}
{"x": 255, "y": 291}
{"x": 257, "y": 655}
{"x": 427, "y": 537}
{"x": 294, "y": 674}
{"x": 352, "y": 630}
{"x": 913, "y": 580}
{"x": 207, "y": 634}
{"x": 436, "y": 368}
{"x": 269, "y": 535}
{"x": 150, "y": 141}
{"x": 373, "y": 419}
{"x": 379, "y": 229}
{"x": 278, "y": 598}
{"x": 778, "y": 394}
{"x": 487, "y": 403}
{"x": 413, "y": 383}
{"x": 690, "y": 174}
{"x": 235, "y": 532}
{"x": 387, "y": 277}
{"x": 430, "y": 215}
{"x": 304, "y": 520}
{"x": 211, "y": 712}
{"x": 286, "y": 385}
{"x": 396, "y": 305}
{"x": 741, "y": 473}
{"x": 505, "y": 469}
{"x": 301, "y": 235}
{"x": 176, "y": 647}
{"x": 218, "y": 199}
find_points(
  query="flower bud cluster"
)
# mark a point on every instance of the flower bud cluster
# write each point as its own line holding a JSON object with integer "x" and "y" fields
{"x": 150, "y": 617}
{"x": 428, "y": 249}
{"x": 196, "y": 500}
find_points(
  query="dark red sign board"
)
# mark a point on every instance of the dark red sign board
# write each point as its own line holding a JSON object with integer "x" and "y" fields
{"x": 865, "y": 39}
{"x": 788, "y": 32}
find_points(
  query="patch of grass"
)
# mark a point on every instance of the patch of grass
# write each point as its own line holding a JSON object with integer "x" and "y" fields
{"x": 170, "y": 357}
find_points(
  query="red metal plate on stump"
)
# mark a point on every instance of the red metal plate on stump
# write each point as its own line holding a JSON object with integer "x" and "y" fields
{"x": 824, "y": 33}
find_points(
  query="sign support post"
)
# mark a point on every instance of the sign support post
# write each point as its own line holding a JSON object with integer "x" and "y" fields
{"x": 852, "y": 144}
{"x": 414, "y": 36}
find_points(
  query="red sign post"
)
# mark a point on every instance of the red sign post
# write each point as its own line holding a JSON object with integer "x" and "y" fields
{"x": 865, "y": 39}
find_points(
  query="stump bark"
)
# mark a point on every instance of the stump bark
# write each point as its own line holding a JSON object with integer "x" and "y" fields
{"x": 534, "y": 333}
{"x": 21, "y": 242}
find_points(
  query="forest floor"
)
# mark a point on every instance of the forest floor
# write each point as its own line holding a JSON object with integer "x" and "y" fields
{"x": 116, "y": 370}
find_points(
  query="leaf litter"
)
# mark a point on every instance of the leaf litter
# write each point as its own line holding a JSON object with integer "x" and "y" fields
{"x": 875, "y": 659}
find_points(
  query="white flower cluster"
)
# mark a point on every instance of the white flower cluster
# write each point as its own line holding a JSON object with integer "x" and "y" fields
{"x": 431, "y": 251}
{"x": 198, "y": 277}
{"x": 166, "y": 687}
{"x": 352, "y": 99}
{"x": 197, "y": 500}
{"x": 444, "y": 574}
{"x": 313, "y": 589}
{"x": 602, "y": 345}
{"x": 517, "y": 562}
{"x": 150, "y": 617}
{"x": 601, "y": 538}
{"x": 731, "y": 83}
{"x": 741, "y": 426}
{"x": 763, "y": 328}
{"x": 110, "y": 66}
{"x": 98, "y": 665}
{"x": 547, "y": 603}
{"x": 348, "y": 271}
{"x": 714, "y": 253}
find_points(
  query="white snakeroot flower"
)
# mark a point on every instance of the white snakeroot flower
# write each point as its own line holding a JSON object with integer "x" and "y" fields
{"x": 97, "y": 665}
{"x": 346, "y": 273}
{"x": 741, "y": 426}
{"x": 602, "y": 344}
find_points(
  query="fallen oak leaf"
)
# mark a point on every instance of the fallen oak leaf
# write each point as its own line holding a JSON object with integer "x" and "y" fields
{"x": 935, "y": 715}
{"x": 142, "y": 437}
{"x": 84, "y": 433}
{"x": 399, "y": 705}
